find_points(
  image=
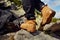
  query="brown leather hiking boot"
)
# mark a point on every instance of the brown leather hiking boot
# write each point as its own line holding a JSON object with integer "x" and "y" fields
{"x": 47, "y": 15}
{"x": 29, "y": 25}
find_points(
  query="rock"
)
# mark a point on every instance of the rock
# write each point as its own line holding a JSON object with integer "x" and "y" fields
{"x": 21, "y": 35}
{"x": 55, "y": 27}
{"x": 13, "y": 7}
{"x": 11, "y": 27}
{"x": 24, "y": 35}
{"x": 1, "y": 1}
{"x": 7, "y": 3}
{"x": 9, "y": 36}
{"x": 52, "y": 27}
{"x": 18, "y": 13}
{"x": 5, "y": 16}
{"x": 19, "y": 21}
{"x": 47, "y": 26}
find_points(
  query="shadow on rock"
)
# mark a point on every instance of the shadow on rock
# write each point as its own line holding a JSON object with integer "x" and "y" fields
{"x": 54, "y": 30}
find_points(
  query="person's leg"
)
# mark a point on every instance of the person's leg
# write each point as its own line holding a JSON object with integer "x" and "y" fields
{"x": 39, "y": 4}
{"x": 29, "y": 25}
{"x": 45, "y": 10}
{"x": 28, "y": 6}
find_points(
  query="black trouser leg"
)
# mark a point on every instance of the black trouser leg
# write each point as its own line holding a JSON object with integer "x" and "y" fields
{"x": 38, "y": 5}
{"x": 29, "y": 7}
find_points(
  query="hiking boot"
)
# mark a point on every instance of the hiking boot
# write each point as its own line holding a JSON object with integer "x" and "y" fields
{"x": 47, "y": 15}
{"x": 29, "y": 25}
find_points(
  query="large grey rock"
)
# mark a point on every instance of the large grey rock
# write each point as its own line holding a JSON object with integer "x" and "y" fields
{"x": 24, "y": 35}
{"x": 4, "y": 17}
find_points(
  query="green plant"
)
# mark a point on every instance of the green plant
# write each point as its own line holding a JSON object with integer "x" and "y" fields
{"x": 17, "y": 2}
{"x": 55, "y": 19}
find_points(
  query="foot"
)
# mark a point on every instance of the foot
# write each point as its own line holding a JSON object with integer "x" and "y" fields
{"x": 29, "y": 25}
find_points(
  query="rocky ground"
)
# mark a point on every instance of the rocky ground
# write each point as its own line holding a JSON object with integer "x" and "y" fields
{"x": 23, "y": 34}
{"x": 38, "y": 35}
